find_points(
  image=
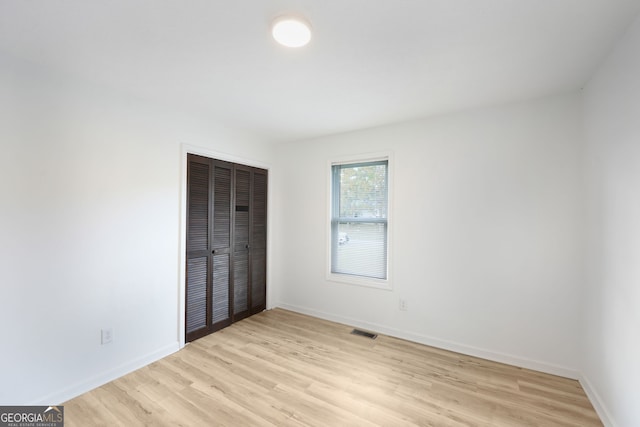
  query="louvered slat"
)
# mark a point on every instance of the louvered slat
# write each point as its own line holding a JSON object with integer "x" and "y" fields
{"x": 222, "y": 207}
{"x": 258, "y": 278}
{"x": 220, "y": 291}
{"x": 259, "y": 211}
{"x": 259, "y": 242}
{"x": 196, "y": 305}
{"x": 243, "y": 180}
{"x": 240, "y": 282}
{"x": 241, "y": 220}
{"x": 241, "y": 227}
{"x": 198, "y": 230}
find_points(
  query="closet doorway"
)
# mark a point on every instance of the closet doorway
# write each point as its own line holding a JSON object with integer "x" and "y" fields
{"x": 226, "y": 259}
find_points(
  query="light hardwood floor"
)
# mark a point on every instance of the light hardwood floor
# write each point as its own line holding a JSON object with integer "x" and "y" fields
{"x": 280, "y": 368}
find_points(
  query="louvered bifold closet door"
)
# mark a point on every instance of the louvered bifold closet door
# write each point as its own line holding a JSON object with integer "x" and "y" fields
{"x": 226, "y": 244}
{"x": 221, "y": 246}
{"x": 258, "y": 244}
{"x": 198, "y": 246}
{"x": 241, "y": 243}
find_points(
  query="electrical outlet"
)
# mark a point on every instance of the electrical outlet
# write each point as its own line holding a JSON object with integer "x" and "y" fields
{"x": 403, "y": 305}
{"x": 106, "y": 336}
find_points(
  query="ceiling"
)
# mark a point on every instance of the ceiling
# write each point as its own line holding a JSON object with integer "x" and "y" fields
{"x": 370, "y": 62}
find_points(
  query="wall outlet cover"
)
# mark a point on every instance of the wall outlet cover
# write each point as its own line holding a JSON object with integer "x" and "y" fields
{"x": 106, "y": 336}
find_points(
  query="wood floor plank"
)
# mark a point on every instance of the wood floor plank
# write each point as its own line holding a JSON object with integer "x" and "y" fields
{"x": 280, "y": 368}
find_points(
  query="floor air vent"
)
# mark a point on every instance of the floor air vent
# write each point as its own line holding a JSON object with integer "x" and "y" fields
{"x": 364, "y": 334}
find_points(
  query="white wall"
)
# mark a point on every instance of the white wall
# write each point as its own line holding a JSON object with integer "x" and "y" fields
{"x": 612, "y": 321}
{"x": 486, "y": 237}
{"x": 89, "y": 230}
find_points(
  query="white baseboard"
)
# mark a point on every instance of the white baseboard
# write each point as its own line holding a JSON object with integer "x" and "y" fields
{"x": 443, "y": 344}
{"x": 79, "y": 388}
{"x": 596, "y": 401}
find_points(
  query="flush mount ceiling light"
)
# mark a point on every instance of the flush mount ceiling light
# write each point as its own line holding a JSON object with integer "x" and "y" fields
{"x": 291, "y": 31}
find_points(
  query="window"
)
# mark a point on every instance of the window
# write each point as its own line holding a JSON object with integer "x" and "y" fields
{"x": 359, "y": 214}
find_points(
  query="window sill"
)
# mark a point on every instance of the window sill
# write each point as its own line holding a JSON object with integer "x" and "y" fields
{"x": 383, "y": 284}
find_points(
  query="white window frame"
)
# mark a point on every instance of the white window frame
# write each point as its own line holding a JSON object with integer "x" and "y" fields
{"x": 384, "y": 284}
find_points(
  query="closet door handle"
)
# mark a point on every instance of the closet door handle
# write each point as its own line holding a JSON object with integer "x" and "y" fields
{"x": 213, "y": 252}
{"x": 246, "y": 246}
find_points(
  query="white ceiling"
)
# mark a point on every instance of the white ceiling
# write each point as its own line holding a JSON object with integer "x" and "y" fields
{"x": 371, "y": 62}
